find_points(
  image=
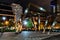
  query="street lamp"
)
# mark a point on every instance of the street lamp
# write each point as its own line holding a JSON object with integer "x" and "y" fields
{"x": 6, "y": 22}
{"x": 42, "y": 9}
{"x": 25, "y": 22}
{"x": 26, "y": 11}
{"x": 3, "y": 18}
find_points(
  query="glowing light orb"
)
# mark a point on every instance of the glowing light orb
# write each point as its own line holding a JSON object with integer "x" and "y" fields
{"x": 42, "y": 9}
{"x": 3, "y": 18}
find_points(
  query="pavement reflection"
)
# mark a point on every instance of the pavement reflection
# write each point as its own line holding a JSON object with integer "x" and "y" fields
{"x": 26, "y": 35}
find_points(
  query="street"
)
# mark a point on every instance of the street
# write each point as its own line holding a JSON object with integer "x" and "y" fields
{"x": 26, "y": 35}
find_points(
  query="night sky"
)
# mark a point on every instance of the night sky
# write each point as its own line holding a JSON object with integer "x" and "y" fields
{"x": 24, "y": 3}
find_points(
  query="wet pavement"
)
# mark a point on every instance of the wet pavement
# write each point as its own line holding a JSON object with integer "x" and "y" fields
{"x": 27, "y": 35}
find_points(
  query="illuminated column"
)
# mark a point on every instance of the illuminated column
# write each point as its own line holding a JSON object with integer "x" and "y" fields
{"x": 46, "y": 22}
{"x": 39, "y": 23}
{"x": 17, "y": 10}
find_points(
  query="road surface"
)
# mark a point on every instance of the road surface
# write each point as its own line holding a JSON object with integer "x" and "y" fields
{"x": 26, "y": 35}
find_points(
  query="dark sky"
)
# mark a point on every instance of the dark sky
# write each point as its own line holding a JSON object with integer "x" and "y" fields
{"x": 23, "y": 3}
